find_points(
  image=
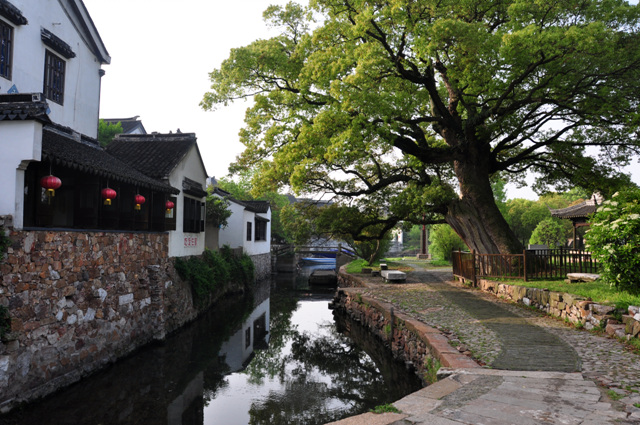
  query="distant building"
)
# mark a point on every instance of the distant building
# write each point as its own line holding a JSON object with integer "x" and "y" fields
{"x": 173, "y": 159}
{"x": 248, "y": 228}
{"x": 129, "y": 125}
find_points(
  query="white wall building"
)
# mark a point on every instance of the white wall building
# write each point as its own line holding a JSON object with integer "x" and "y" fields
{"x": 249, "y": 228}
{"x": 50, "y": 68}
{"x": 174, "y": 159}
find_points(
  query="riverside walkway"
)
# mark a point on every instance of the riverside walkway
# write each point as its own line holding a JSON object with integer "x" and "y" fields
{"x": 535, "y": 369}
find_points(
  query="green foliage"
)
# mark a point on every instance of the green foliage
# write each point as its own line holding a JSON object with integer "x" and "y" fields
{"x": 213, "y": 271}
{"x": 5, "y": 321}
{"x": 407, "y": 110}
{"x": 217, "y": 212}
{"x": 614, "y": 240}
{"x": 599, "y": 292}
{"x": 614, "y": 395}
{"x": 548, "y": 232}
{"x": 247, "y": 188}
{"x": 443, "y": 241}
{"x": 384, "y": 408}
{"x": 107, "y": 131}
{"x": 356, "y": 265}
{"x": 5, "y": 242}
{"x": 431, "y": 366}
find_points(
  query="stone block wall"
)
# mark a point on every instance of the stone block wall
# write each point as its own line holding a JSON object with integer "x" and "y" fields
{"x": 262, "y": 263}
{"x": 79, "y": 300}
{"x": 577, "y": 310}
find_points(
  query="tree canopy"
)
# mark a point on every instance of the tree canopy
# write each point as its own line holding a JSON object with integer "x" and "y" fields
{"x": 410, "y": 109}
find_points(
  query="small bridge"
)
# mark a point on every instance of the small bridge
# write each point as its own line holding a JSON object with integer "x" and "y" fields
{"x": 341, "y": 254}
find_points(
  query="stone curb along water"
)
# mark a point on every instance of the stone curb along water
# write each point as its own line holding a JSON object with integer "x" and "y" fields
{"x": 410, "y": 340}
{"x": 576, "y": 309}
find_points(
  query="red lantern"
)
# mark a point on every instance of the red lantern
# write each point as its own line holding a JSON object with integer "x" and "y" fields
{"x": 169, "y": 206}
{"x": 51, "y": 183}
{"x": 139, "y": 201}
{"x": 108, "y": 194}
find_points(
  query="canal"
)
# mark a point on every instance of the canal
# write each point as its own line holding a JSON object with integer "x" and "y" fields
{"x": 276, "y": 356}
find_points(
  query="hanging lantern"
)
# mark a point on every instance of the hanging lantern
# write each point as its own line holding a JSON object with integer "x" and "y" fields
{"x": 51, "y": 183}
{"x": 139, "y": 201}
{"x": 169, "y": 206}
{"x": 108, "y": 194}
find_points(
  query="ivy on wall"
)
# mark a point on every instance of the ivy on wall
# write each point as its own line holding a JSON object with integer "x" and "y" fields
{"x": 210, "y": 273}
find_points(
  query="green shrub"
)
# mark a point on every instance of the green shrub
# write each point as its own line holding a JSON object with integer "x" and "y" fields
{"x": 614, "y": 240}
{"x": 5, "y": 242}
{"x": 5, "y": 321}
{"x": 211, "y": 272}
{"x": 548, "y": 232}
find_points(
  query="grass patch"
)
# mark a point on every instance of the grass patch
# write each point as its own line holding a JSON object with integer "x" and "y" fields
{"x": 384, "y": 408}
{"x": 598, "y": 292}
{"x": 614, "y": 395}
{"x": 356, "y": 266}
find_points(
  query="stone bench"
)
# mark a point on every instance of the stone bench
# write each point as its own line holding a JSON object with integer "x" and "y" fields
{"x": 582, "y": 277}
{"x": 393, "y": 275}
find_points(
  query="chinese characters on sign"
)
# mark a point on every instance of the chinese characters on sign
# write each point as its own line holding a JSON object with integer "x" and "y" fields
{"x": 191, "y": 241}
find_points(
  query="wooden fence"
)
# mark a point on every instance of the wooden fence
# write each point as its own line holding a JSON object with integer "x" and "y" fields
{"x": 531, "y": 264}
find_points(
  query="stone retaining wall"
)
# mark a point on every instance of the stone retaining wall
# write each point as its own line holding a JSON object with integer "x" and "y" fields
{"x": 79, "y": 300}
{"x": 262, "y": 263}
{"x": 410, "y": 341}
{"x": 573, "y": 308}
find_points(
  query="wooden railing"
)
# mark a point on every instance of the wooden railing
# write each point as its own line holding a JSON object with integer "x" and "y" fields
{"x": 531, "y": 264}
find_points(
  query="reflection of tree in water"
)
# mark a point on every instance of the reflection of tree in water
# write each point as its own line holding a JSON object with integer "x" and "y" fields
{"x": 270, "y": 362}
{"x": 325, "y": 376}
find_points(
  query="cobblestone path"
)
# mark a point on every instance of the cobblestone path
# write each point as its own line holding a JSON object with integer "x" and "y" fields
{"x": 503, "y": 335}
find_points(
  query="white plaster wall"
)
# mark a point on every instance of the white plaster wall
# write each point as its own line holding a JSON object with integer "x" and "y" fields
{"x": 82, "y": 81}
{"x": 257, "y": 247}
{"x": 234, "y": 234}
{"x": 20, "y": 142}
{"x": 180, "y": 243}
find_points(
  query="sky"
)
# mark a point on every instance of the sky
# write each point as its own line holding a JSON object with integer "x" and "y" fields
{"x": 161, "y": 56}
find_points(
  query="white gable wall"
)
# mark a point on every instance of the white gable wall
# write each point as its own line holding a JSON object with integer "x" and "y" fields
{"x": 186, "y": 243}
{"x": 254, "y": 247}
{"x": 234, "y": 234}
{"x": 82, "y": 75}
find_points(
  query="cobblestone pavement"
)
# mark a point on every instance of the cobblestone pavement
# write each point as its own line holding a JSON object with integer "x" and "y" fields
{"x": 435, "y": 299}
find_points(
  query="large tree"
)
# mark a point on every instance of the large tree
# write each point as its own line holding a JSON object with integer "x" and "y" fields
{"x": 412, "y": 108}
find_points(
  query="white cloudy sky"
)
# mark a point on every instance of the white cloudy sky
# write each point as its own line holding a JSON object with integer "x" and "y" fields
{"x": 161, "y": 54}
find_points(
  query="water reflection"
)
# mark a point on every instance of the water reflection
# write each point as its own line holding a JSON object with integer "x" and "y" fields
{"x": 273, "y": 358}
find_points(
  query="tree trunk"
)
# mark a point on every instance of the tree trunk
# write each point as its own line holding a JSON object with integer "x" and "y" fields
{"x": 475, "y": 217}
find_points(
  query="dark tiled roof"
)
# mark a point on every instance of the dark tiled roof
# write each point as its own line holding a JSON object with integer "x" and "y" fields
{"x": 155, "y": 155}
{"x": 56, "y": 43}
{"x": 582, "y": 210}
{"x": 260, "y": 207}
{"x": 23, "y": 106}
{"x": 193, "y": 187}
{"x": 12, "y": 13}
{"x": 90, "y": 158}
{"x": 128, "y": 124}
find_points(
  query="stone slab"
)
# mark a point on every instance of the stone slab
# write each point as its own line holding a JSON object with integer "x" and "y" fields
{"x": 393, "y": 275}
{"x": 582, "y": 277}
{"x": 371, "y": 419}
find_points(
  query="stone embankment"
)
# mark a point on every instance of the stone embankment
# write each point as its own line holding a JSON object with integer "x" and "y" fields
{"x": 78, "y": 300}
{"x": 575, "y": 309}
{"x": 411, "y": 341}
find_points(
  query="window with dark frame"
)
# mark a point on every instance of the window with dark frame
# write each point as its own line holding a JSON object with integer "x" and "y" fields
{"x": 193, "y": 220}
{"x": 261, "y": 229}
{"x": 6, "y": 49}
{"x": 249, "y": 230}
{"x": 54, "y": 74}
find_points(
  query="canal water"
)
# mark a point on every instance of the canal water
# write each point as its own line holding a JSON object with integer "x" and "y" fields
{"x": 276, "y": 356}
